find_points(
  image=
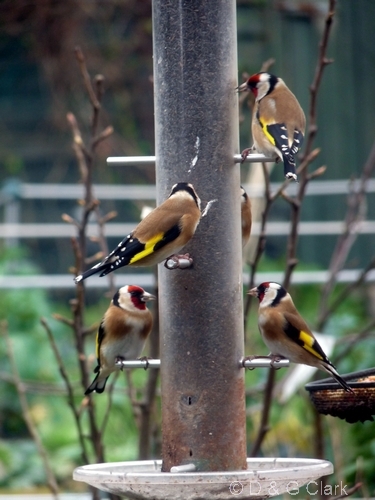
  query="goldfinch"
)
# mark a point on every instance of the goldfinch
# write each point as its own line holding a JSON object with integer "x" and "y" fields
{"x": 246, "y": 218}
{"x": 162, "y": 233}
{"x": 285, "y": 332}
{"x": 278, "y": 123}
{"x": 122, "y": 332}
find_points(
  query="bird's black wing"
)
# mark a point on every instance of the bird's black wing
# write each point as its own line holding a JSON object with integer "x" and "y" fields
{"x": 129, "y": 251}
{"x": 279, "y": 133}
{"x": 99, "y": 339}
{"x": 120, "y": 256}
{"x": 172, "y": 234}
{"x": 302, "y": 337}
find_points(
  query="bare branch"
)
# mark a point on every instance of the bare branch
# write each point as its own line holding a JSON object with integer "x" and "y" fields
{"x": 62, "y": 319}
{"x": 109, "y": 216}
{"x": 305, "y": 177}
{"x": 318, "y": 172}
{"x": 267, "y": 64}
{"x": 107, "y": 412}
{"x": 101, "y": 137}
{"x": 348, "y": 492}
{"x": 355, "y": 215}
{"x": 326, "y": 310}
{"x": 67, "y": 218}
{"x": 79, "y": 147}
{"x": 51, "y": 480}
{"x": 314, "y": 88}
{"x": 86, "y": 78}
{"x": 69, "y": 388}
{"x": 364, "y": 334}
{"x": 264, "y": 422}
{"x": 91, "y": 329}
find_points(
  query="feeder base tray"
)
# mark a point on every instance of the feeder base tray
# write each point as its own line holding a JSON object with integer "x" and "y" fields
{"x": 264, "y": 478}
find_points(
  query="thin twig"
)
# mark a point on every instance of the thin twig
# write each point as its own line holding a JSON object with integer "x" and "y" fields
{"x": 107, "y": 412}
{"x": 348, "y": 492}
{"x": 354, "y": 216}
{"x": 314, "y": 88}
{"x": 264, "y": 426}
{"x": 312, "y": 130}
{"x": 102, "y": 136}
{"x": 366, "y": 332}
{"x": 90, "y": 329}
{"x": 63, "y": 319}
{"x": 85, "y": 160}
{"x": 86, "y": 78}
{"x": 21, "y": 391}
{"x": 67, "y": 218}
{"x": 132, "y": 395}
{"x": 69, "y": 388}
{"x": 79, "y": 147}
{"x": 327, "y": 310}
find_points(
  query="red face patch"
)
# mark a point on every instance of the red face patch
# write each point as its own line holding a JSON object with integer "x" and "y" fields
{"x": 252, "y": 83}
{"x": 262, "y": 290}
{"x": 136, "y": 294}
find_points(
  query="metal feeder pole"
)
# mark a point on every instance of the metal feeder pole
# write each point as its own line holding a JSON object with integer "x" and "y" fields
{"x": 201, "y": 311}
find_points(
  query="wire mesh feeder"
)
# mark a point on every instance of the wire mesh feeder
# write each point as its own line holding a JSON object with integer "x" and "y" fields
{"x": 264, "y": 478}
{"x": 330, "y": 399}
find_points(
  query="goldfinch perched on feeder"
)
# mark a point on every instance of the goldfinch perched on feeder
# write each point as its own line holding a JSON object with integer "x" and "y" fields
{"x": 122, "y": 332}
{"x": 285, "y": 332}
{"x": 278, "y": 123}
{"x": 162, "y": 233}
{"x": 246, "y": 218}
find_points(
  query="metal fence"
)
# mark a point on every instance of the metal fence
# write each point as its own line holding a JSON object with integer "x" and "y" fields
{"x": 13, "y": 231}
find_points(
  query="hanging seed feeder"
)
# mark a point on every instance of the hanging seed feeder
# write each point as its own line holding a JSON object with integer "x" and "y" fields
{"x": 330, "y": 399}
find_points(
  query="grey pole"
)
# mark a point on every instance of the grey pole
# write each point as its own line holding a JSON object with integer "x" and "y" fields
{"x": 196, "y": 129}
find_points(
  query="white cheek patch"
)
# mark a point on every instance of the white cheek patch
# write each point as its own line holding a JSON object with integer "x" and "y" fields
{"x": 269, "y": 297}
{"x": 267, "y": 301}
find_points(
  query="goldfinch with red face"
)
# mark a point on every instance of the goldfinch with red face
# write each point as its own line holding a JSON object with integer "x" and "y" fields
{"x": 278, "y": 123}
{"x": 246, "y": 218}
{"x": 285, "y": 332}
{"x": 122, "y": 332}
{"x": 162, "y": 233}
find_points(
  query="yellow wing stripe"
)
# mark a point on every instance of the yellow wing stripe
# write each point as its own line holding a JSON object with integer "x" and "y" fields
{"x": 266, "y": 132}
{"x": 149, "y": 248}
{"x": 308, "y": 343}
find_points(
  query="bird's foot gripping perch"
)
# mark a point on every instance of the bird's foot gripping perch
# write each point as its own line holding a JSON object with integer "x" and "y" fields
{"x": 275, "y": 358}
{"x": 178, "y": 262}
{"x": 118, "y": 361}
{"x": 245, "y": 152}
{"x": 146, "y": 359}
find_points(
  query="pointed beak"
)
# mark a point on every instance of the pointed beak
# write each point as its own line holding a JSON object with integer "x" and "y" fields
{"x": 253, "y": 292}
{"x": 242, "y": 88}
{"x": 147, "y": 296}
